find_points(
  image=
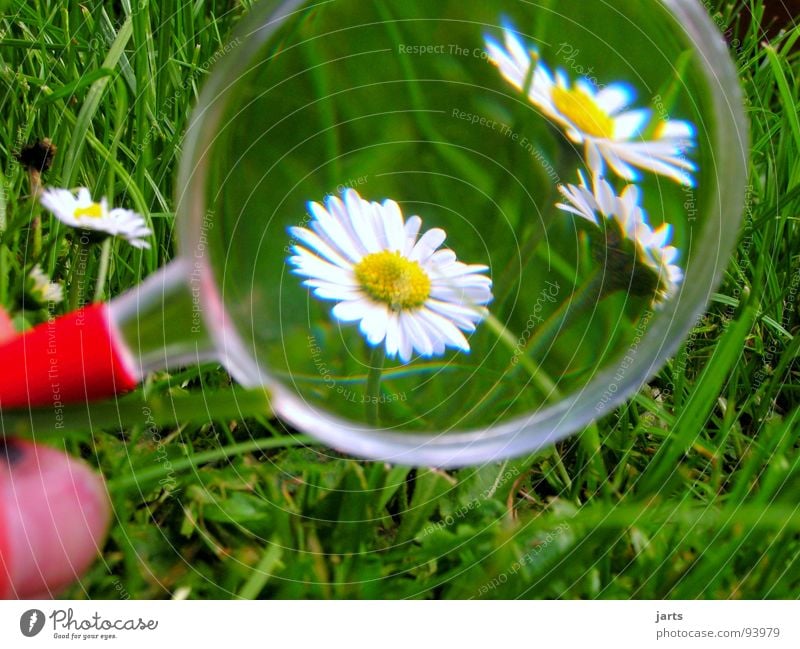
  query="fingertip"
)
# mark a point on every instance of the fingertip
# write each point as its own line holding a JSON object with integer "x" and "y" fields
{"x": 54, "y": 515}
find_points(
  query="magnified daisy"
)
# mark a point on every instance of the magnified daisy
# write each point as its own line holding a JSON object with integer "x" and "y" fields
{"x": 81, "y": 212}
{"x": 405, "y": 291}
{"x": 40, "y": 289}
{"x": 636, "y": 257}
{"x": 601, "y": 119}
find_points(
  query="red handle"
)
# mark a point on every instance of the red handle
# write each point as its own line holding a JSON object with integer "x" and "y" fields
{"x": 69, "y": 359}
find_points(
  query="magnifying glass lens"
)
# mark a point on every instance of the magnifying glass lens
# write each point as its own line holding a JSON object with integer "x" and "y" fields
{"x": 432, "y": 217}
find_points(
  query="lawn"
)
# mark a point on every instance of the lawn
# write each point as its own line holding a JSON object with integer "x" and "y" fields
{"x": 689, "y": 490}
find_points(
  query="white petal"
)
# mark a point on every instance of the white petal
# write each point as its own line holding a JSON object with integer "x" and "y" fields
{"x": 412, "y": 231}
{"x": 619, "y": 166}
{"x": 661, "y": 236}
{"x": 614, "y": 97}
{"x": 573, "y": 210}
{"x": 677, "y": 129}
{"x": 351, "y": 311}
{"x": 629, "y": 125}
{"x": 393, "y": 225}
{"x": 605, "y": 196}
{"x": 416, "y": 333}
{"x": 594, "y": 158}
{"x": 316, "y": 243}
{"x": 509, "y": 68}
{"x": 392, "y": 335}
{"x": 328, "y": 291}
{"x": 309, "y": 265}
{"x": 406, "y": 341}
{"x": 444, "y": 329}
{"x": 582, "y": 202}
{"x": 363, "y": 223}
{"x": 469, "y": 295}
{"x": 61, "y": 203}
{"x": 455, "y": 269}
{"x": 516, "y": 47}
{"x": 462, "y": 316}
{"x": 84, "y": 197}
{"x": 587, "y": 88}
{"x": 427, "y": 245}
{"x": 351, "y": 222}
{"x": 374, "y": 324}
{"x": 333, "y": 232}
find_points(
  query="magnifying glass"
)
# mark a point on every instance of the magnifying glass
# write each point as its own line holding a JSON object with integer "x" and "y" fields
{"x": 435, "y": 233}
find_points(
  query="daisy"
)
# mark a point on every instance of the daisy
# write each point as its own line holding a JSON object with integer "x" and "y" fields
{"x": 85, "y": 214}
{"x": 637, "y": 257}
{"x": 405, "y": 292}
{"x": 41, "y": 289}
{"x": 599, "y": 118}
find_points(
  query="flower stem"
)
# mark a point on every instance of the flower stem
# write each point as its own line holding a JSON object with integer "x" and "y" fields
{"x": 376, "y": 361}
{"x": 592, "y": 291}
{"x": 102, "y": 271}
{"x": 538, "y": 376}
{"x": 35, "y": 232}
{"x": 78, "y": 275}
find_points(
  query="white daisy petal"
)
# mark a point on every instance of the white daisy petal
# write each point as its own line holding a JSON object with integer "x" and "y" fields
{"x": 412, "y": 231}
{"x": 309, "y": 265}
{"x": 456, "y": 269}
{"x": 84, "y": 196}
{"x": 594, "y": 158}
{"x": 362, "y": 223}
{"x": 676, "y": 129}
{"x": 517, "y": 48}
{"x": 447, "y": 331}
{"x": 462, "y": 316}
{"x": 351, "y": 311}
{"x": 351, "y": 222}
{"x": 406, "y": 344}
{"x": 605, "y": 196}
{"x": 428, "y": 244}
{"x": 510, "y": 68}
{"x": 333, "y": 231}
{"x": 580, "y": 201}
{"x": 374, "y": 324}
{"x": 477, "y": 295}
{"x": 327, "y": 291}
{"x": 444, "y": 258}
{"x": 392, "y": 335}
{"x": 614, "y": 97}
{"x": 629, "y": 125}
{"x": 314, "y": 242}
{"x": 417, "y": 333}
{"x": 661, "y": 236}
{"x": 393, "y": 225}
{"x": 651, "y": 160}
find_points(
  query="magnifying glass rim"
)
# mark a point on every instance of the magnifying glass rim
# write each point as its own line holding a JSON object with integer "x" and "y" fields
{"x": 523, "y": 434}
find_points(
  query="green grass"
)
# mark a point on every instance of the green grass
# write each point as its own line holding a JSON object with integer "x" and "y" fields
{"x": 689, "y": 490}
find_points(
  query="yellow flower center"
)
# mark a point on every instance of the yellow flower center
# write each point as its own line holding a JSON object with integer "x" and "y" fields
{"x": 95, "y": 211}
{"x": 582, "y": 110}
{"x": 391, "y": 278}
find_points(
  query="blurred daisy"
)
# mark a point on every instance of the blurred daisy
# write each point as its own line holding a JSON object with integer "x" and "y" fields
{"x": 83, "y": 213}
{"x": 404, "y": 291}
{"x": 40, "y": 289}
{"x": 636, "y": 257}
{"x": 599, "y": 118}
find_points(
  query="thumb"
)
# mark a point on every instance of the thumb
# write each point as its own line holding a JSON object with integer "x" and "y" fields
{"x": 54, "y": 514}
